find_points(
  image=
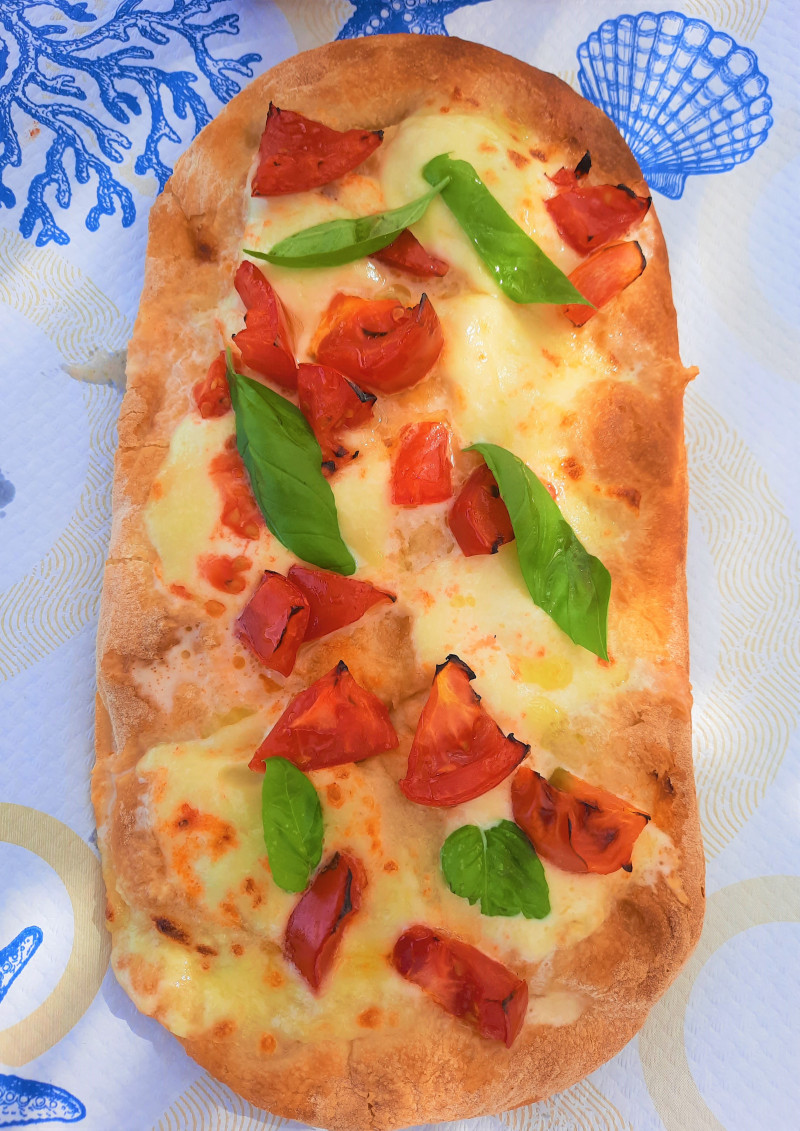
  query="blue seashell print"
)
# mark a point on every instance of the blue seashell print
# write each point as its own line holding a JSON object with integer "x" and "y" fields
{"x": 687, "y": 98}
{"x": 383, "y": 17}
{"x": 50, "y": 70}
{"x": 30, "y": 1101}
{"x": 16, "y": 956}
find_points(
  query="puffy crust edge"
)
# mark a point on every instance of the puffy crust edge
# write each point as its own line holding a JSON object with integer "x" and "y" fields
{"x": 447, "y": 1071}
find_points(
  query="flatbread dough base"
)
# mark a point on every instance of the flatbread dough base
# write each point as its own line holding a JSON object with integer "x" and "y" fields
{"x": 446, "y": 1071}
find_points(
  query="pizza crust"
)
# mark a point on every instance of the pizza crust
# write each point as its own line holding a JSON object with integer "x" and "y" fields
{"x": 441, "y": 1070}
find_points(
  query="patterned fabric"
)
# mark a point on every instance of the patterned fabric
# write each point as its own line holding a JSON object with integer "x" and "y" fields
{"x": 73, "y": 80}
{"x": 686, "y": 98}
{"x": 97, "y": 100}
{"x": 384, "y": 17}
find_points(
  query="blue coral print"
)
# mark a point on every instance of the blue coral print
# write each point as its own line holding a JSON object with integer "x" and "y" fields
{"x": 686, "y": 98}
{"x": 30, "y": 1101}
{"x": 382, "y": 17}
{"x": 16, "y": 956}
{"x": 53, "y": 66}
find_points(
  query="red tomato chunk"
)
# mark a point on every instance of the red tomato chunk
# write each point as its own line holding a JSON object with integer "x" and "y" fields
{"x": 273, "y": 623}
{"x": 331, "y": 404}
{"x": 588, "y": 217}
{"x": 212, "y": 395}
{"x": 266, "y": 343}
{"x": 333, "y": 601}
{"x": 332, "y": 722}
{"x": 603, "y": 276}
{"x": 464, "y": 981}
{"x": 378, "y": 343}
{"x": 407, "y": 254}
{"x": 423, "y": 466}
{"x": 297, "y": 153}
{"x": 479, "y": 518}
{"x": 317, "y": 924}
{"x": 574, "y": 825}
{"x": 459, "y": 751}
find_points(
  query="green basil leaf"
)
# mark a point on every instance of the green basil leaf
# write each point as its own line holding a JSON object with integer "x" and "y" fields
{"x": 341, "y": 241}
{"x": 292, "y": 819}
{"x": 571, "y": 585}
{"x": 519, "y": 266}
{"x": 498, "y": 867}
{"x": 284, "y": 461}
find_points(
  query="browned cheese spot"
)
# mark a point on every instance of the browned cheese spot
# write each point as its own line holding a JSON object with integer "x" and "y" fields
{"x": 171, "y": 930}
{"x": 251, "y": 888}
{"x": 571, "y": 467}
{"x": 627, "y": 495}
{"x": 553, "y": 358}
{"x": 334, "y": 795}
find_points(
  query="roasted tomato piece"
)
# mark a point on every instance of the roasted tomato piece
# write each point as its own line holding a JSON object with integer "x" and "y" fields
{"x": 379, "y": 343}
{"x": 297, "y": 153}
{"x": 317, "y": 924}
{"x": 331, "y": 404}
{"x": 459, "y": 751}
{"x": 464, "y": 981}
{"x": 604, "y": 275}
{"x": 574, "y": 825}
{"x": 334, "y": 601}
{"x": 332, "y": 722}
{"x": 240, "y": 511}
{"x": 479, "y": 518}
{"x": 423, "y": 467}
{"x": 266, "y": 343}
{"x": 212, "y": 395}
{"x": 568, "y": 178}
{"x": 224, "y": 572}
{"x": 406, "y": 253}
{"x": 256, "y": 291}
{"x": 273, "y": 622}
{"x": 589, "y": 216}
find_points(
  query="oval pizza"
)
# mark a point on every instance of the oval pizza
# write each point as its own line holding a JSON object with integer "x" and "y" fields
{"x": 394, "y": 786}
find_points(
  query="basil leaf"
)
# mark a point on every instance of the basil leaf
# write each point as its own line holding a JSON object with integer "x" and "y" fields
{"x": 519, "y": 266}
{"x": 341, "y": 241}
{"x": 498, "y": 867}
{"x": 292, "y": 819}
{"x": 571, "y": 585}
{"x": 285, "y": 464}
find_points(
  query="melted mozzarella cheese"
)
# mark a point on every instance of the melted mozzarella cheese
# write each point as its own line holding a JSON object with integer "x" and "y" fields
{"x": 500, "y": 155}
{"x": 182, "y": 514}
{"x": 204, "y": 806}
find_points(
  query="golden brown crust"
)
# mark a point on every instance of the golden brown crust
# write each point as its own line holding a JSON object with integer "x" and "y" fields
{"x": 630, "y": 437}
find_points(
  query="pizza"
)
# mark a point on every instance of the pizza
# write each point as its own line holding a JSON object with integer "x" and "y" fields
{"x": 393, "y": 786}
